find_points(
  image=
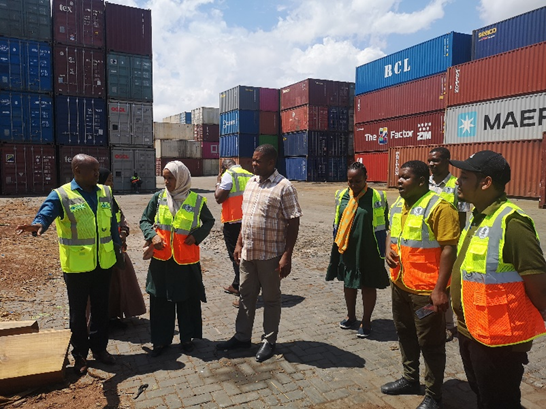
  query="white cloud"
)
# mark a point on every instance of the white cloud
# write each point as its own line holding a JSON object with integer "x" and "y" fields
{"x": 497, "y": 10}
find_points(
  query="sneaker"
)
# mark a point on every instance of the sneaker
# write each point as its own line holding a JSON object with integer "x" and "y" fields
{"x": 364, "y": 332}
{"x": 347, "y": 323}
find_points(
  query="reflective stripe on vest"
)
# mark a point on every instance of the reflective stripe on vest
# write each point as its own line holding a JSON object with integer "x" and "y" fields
{"x": 496, "y": 308}
{"x": 379, "y": 205}
{"x": 174, "y": 231}
{"x": 79, "y": 229}
{"x": 232, "y": 207}
{"x": 449, "y": 191}
{"x": 416, "y": 245}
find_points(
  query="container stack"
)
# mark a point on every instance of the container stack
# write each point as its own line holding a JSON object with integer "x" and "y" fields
{"x": 129, "y": 95}
{"x": 269, "y": 129}
{"x": 27, "y": 151}
{"x": 317, "y": 125}
{"x": 181, "y": 118}
{"x": 399, "y": 100}
{"x": 206, "y": 130}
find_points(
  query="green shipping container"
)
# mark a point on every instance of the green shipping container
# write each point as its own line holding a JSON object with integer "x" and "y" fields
{"x": 270, "y": 139}
{"x": 129, "y": 77}
{"x": 27, "y": 19}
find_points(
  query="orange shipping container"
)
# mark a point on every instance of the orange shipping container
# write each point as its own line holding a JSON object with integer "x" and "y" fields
{"x": 376, "y": 165}
{"x": 523, "y": 156}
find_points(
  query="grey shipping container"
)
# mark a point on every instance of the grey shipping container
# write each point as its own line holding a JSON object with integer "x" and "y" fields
{"x": 240, "y": 97}
{"x": 126, "y": 161}
{"x": 130, "y": 123}
{"x": 128, "y": 29}
{"x": 28, "y": 19}
{"x": 129, "y": 77}
{"x": 205, "y": 115}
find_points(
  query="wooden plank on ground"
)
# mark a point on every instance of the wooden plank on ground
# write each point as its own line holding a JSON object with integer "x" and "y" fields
{"x": 18, "y": 327}
{"x": 31, "y": 360}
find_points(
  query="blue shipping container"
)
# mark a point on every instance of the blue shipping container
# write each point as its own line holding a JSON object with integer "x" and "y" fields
{"x": 240, "y": 121}
{"x": 306, "y": 143}
{"x": 421, "y": 60}
{"x": 25, "y": 65}
{"x": 516, "y": 32}
{"x": 307, "y": 169}
{"x": 238, "y": 145}
{"x": 337, "y": 169}
{"x": 338, "y": 143}
{"x": 186, "y": 118}
{"x": 240, "y": 97}
{"x": 26, "y": 118}
{"x": 80, "y": 121}
{"x": 338, "y": 119}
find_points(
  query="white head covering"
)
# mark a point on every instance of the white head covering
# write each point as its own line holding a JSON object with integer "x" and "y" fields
{"x": 182, "y": 187}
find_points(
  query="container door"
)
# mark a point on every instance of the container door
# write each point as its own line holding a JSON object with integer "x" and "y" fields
{"x": 94, "y": 114}
{"x": 119, "y": 74}
{"x": 145, "y": 166}
{"x": 15, "y": 171}
{"x": 119, "y": 122}
{"x": 11, "y": 117}
{"x": 37, "y": 15}
{"x": 39, "y": 118}
{"x": 11, "y": 64}
{"x": 142, "y": 123}
{"x": 122, "y": 168}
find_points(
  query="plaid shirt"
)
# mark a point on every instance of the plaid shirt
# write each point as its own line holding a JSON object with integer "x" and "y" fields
{"x": 268, "y": 205}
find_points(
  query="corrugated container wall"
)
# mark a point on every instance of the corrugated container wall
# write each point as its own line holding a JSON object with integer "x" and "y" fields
{"x": 165, "y": 130}
{"x": 79, "y": 71}
{"x": 129, "y": 77}
{"x": 313, "y": 143}
{"x": 26, "y": 118}
{"x": 25, "y": 65}
{"x": 376, "y": 163}
{"x": 79, "y": 22}
{"x": 523, "y": 157}
{"x": 130, "y": 123}
{"x": 419, "y": 61}
{"x": 80, "y": 121}
{"x": 27, "y": 169}
{"x": 28, "y": 19}
{"x": 414, "y": 97}
{"x": 516, "y": 32}
{"x": 66, "y": 153}
{"x": 126, "y": 161}
{"x": 269, "y": 99}
{"x": 513, "y": 119}
{"x": 504, "y": 75}
{"x": 210, "y": 150}
{"x": 240, "y": 145}
{"x": 241, "y": 98}
{"x": 206, "y": 133}
{"x": 205, "y": 115}
{"x": 195, "y": 166}
{"x": 269, "y": 123}
{"x": 412, "y": 130}
{"x": 306, "y": 92}
{"x": 210, "y": 167}
{"x": 338, "y": 119}
{"x": 177, "y": 148}
{"x": 316, "y": 169}
{"x": 238, "y": 121}
{"x": 270, "y": 140}
{"x": 307, "y": 117}
{"x": 128, "y": 29}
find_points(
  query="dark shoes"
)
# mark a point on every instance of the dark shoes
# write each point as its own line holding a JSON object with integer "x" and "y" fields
{"x": 231, "y": 290}
{"x": 265, "y": 352}
{"x": 450, "y": 334}
{"x": 187, "y": 346}
{"x": 158, "y": 350}
{"x": 364, "y": 332}
{"x": 430, "y": 403}
{"x": 105, "y": 357}
{"x": 347, "y": 323}
{"x": 401, "y": 387}
{"x": 80, "y": 366}
{"x": 233, "y": 343}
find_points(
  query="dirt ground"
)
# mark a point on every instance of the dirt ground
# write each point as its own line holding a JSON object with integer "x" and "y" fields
{"x": 31, "y": 285}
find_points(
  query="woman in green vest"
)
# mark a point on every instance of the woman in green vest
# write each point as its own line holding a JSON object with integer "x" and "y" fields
{"x": 175, "y": 221}
{"x": 358, "y": 252}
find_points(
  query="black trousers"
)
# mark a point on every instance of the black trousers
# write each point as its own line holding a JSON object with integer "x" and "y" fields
{"x": 494, "y": 373}
{"x": 231, "y": 234}
{"x": 95, "y": 286}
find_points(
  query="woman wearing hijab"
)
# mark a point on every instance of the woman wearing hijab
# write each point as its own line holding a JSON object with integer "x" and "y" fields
{"x": 174, "y": 223}
{"x": 125, "y": 295}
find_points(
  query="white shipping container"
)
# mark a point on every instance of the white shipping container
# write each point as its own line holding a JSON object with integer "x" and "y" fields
{"x": 205, "y": 115}
{"x": 510, "y": 119}
{"x": 194, "y": 150}
{"x": 173, "y": 119}
{"x": 210, "y": 167}
{"x": 130, "y": 123}
{"x": 177, "y": 148}
{"x": 165, "y": 130}
{"x": 126, "y": 161}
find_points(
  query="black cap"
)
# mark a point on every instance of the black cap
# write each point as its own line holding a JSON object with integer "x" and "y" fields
{"x": 488, "y": 163}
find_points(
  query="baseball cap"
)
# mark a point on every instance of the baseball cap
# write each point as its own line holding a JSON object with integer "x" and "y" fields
{"x": 488, "y": 163}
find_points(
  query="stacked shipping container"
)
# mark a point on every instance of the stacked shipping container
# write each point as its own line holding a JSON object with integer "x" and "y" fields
{"x": 206, "y": 130}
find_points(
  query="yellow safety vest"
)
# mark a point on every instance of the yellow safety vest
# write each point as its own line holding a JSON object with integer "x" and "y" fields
{"x": 83, "y": 234}
{"x": 449, "y": 191}
{"x": 232, "y": 207}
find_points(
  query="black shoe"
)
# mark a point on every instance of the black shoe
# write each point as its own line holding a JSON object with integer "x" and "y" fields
{"x": 105, "y": 357}
{"x": 347, "y": 323}
{"x": 187, "y": 346}
{"x": 450, "y": 334}
{"x": 80, "y": 366}
{"x": 265, "y": 352}
{"x": 233, "y": 343}
{"x": 158, "y": 350}
{"x": 430, "y": 403}
{"x": 401, "y": 387}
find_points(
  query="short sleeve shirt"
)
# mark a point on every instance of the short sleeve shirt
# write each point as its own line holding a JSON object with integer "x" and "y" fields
{"x": 226, "y": 183}
{"x": 463, "y": 207}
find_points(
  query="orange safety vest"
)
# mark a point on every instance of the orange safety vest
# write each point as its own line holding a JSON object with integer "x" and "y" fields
{"x": 232, "y": 207}
{"x": 415, "y": 244}
{"x": 497, "y": 310}
{"x": 174, "y": 231}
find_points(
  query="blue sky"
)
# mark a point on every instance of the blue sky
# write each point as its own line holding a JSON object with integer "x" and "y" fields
{"x": 203, "y": 47}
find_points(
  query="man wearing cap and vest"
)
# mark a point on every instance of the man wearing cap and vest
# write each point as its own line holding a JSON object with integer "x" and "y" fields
{"x": 87, "y": 230}
{"x": 424, "y": 229}
{"x": 442, "y": 182}
{"x": 498, "y": 284}
{"x": 230, "y": 186}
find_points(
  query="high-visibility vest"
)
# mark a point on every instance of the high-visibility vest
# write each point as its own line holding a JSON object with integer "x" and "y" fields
{"x": 174, "y": 231}
{"x": 418, "y": 250}
{"x": 449, "y": 191}
{"x": 84, "y": 235}
{"x": 379, "y": 204}
{"x": 496, "y": 308}
{"x": 232, "y": 210}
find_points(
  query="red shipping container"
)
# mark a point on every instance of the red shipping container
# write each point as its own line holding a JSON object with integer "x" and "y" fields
{"x": 79, "y": 22}
{"x": 345, "y": 97}
{"x": 517, "y": 72}
{"x": 246, "y": 163}
{"x": 377, "y": 165}
{"x": 269, "y": 123}
{"x": 306, "y": 92}
{"x": 308, "y": 117}
{"x": 415, "y": 97}
{"x": 195, "y": 166}
{"x": 269, "y": 99}
{"x": 28, "y": 169}
{"x": 210, "y": 150}
{"x": 79, "y": 71}
{"x": 425, "y": 129}
{"x": 332, "y": 93}
{"x": 206, "y": 133}
{"x": 66, "y": 153}
{"x": 128, "y": 29}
